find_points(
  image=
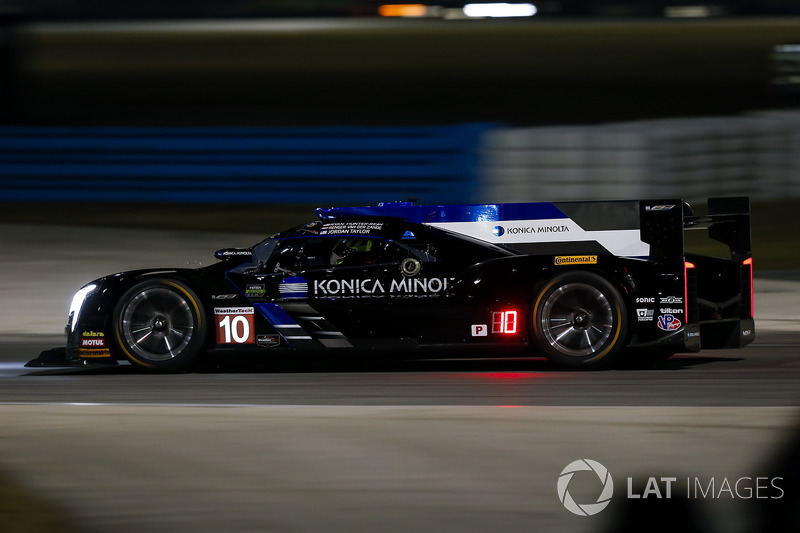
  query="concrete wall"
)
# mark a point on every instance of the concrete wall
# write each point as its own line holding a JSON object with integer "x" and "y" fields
{"x": 756, "y": 155}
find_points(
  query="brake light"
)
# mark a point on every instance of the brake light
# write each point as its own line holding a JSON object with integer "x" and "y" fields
{"x": 686, "y": 266}
{"x": 749, "y": 264}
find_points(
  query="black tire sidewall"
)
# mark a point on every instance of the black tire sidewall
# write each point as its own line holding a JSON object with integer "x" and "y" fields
{"x": 610, "y": 350}
{"x": 183, "y": 360}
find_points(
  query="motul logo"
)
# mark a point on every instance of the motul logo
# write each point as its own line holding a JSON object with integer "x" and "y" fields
{"x": 93, "y": 343}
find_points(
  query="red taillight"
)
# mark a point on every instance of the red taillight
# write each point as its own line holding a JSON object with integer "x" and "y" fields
{"x": 749, "y": 264}
{"x": 686, "y": 266}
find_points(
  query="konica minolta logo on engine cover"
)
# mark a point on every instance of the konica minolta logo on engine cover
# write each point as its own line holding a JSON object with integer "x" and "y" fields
{"x": 499, "y": 231}
{"x": 620, "y": 242}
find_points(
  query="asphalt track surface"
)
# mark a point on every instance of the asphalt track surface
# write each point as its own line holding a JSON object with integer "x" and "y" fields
{"x": 376, "y": 445}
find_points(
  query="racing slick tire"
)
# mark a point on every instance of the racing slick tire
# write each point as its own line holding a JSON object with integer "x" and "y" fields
{"x": 579, "y": 320}
{"x": 160, "y": 325}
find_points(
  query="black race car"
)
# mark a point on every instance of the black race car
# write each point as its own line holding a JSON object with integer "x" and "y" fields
{"x": 580, "y": 283}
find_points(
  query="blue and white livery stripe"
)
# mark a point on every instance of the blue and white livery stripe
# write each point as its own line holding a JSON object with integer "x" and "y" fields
{"x": 283, "y": 323}
{"x": 625, "y": 243}
{"x": 521, "y": 223}
{"x": 429, "y": 214}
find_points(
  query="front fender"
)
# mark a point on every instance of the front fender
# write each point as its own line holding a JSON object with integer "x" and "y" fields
{"x": 89, "y": 327}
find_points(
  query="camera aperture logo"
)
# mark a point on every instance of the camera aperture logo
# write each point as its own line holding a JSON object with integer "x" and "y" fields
{"x": 658, "y": 488}
{"x": 585, "y": 509}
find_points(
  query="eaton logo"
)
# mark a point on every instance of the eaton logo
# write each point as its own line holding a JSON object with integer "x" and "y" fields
{"x": 498, "y": 231}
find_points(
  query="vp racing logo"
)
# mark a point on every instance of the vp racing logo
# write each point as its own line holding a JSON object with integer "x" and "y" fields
{"x": 585, "y": 509}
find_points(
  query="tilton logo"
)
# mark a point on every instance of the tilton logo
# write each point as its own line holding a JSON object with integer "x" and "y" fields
{"x": 586, "y": 509}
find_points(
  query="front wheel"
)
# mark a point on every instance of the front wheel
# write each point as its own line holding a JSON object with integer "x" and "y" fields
{"x": 159, "y": 325}
{"x": 579, "y": 321}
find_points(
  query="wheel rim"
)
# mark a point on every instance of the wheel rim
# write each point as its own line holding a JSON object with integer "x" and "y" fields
{"x": 157, "y": 324}
{"x": 577, "y": 319}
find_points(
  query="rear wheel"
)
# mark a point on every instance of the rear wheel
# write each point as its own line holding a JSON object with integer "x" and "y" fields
{"x": 579, "y": 320}
{"x": 159, "y": 325}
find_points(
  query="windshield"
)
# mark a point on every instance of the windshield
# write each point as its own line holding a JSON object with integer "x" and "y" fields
{"x": 264, "y": 250}
{"x": 261, "y": 253}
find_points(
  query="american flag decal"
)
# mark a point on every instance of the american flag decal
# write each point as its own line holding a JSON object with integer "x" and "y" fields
{"x": 293, "y": 287}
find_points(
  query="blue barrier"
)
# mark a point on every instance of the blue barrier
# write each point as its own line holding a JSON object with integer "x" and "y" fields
{"x": 324, "y": 165}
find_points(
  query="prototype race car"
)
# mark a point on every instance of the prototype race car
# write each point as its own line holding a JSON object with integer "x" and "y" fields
{"x": 580, "y": 283}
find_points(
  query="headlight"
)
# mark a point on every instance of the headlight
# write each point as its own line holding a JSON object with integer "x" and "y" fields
{"x": 77, "y": 303}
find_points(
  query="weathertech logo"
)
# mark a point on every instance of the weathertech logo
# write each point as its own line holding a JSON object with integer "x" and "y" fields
{"x": 585, "y": 509}
{"x": 576, "y": 260}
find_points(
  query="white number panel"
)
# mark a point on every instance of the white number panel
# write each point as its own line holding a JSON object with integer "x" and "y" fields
{"x": 235, "y": 325}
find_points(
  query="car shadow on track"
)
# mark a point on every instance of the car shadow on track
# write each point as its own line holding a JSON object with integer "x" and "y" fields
{"x": 388, "y": 365}
{"x": 676, "y": 362}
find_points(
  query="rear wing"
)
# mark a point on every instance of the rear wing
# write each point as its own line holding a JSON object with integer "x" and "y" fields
{"x": 663, "y": 221}
{"x": 647, "y": 229}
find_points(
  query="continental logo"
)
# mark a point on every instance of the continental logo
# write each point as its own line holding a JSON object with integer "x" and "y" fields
{"x": 576, "y": 260}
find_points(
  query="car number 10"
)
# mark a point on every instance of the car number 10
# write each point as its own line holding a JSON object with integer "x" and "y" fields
{"x": 235, "y": 325}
